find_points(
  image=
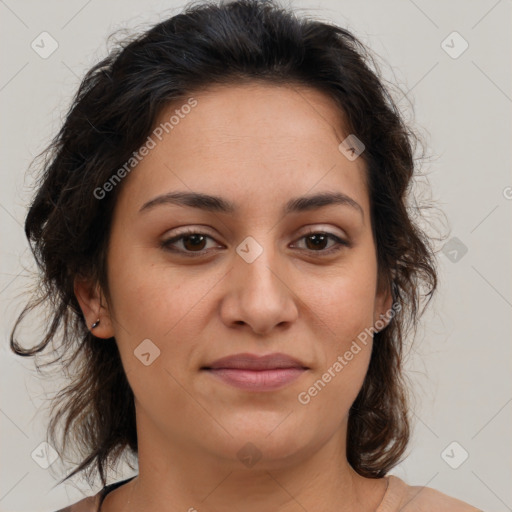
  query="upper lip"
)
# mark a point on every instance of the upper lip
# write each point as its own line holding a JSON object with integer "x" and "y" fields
{"x": 254, "y": 362}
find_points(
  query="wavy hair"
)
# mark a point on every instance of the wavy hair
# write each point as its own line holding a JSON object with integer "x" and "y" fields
{"x": 111, "y": 115}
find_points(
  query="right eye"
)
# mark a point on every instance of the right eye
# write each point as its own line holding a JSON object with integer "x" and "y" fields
{"x": 193, "y": 243}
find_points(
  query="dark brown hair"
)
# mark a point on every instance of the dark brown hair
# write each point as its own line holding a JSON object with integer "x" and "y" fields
{"x": 113, "y": 113}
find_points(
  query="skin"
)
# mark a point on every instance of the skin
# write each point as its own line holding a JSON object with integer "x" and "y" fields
{"x": 257, "y": 145}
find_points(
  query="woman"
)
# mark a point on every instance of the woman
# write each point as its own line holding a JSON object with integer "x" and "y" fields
{"x": 223, "y": 233}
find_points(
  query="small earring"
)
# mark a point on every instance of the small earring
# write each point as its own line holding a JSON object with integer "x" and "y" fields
{"x": 95, "y": 324}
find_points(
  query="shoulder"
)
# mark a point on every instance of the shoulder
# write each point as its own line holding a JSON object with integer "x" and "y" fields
{"x": 414, "y": 498}
{"x": 90, "y": 504}
{"x": 426, "y": 499}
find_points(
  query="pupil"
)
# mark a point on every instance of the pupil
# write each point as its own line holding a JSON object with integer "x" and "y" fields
{"x": 195, "y": 239}
{"x": 317, "y": 240}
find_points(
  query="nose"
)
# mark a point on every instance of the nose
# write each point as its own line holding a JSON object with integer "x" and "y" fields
{"x": 259, "y": 295}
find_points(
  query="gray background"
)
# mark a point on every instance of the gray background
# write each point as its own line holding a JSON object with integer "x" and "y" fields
{"x": 460, "y": 362}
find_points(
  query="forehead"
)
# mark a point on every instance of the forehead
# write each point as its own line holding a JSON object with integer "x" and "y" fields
{"x": 257, "y": 142}
{"x": 258, "y": 111}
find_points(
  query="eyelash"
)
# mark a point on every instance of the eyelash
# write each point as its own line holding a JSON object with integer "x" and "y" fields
{"x": 166, "y": 244}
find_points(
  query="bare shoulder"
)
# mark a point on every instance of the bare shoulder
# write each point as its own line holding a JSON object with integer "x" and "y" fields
{"x": 90, "y": 504}
{"x": 425, "y": 499}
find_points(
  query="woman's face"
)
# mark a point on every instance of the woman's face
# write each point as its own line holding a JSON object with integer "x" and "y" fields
{"x": 253, "y": 280}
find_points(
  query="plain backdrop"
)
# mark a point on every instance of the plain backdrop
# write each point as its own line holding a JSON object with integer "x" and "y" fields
{"x": 460, "y": 87}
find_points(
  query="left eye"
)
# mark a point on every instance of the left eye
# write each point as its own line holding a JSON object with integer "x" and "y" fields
{"x": 194, "y": 242}
{"x": 318, "y": 240}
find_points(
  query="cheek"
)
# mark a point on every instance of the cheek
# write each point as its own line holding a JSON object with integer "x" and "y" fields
{"x": 326, "y": 403}
{"x": 161, "y": 304}
{"x": 344, "y": 304}
{"x": 343, "y": 301}
{"x": 165, "y": 307}
{"x": 344, "y": 352}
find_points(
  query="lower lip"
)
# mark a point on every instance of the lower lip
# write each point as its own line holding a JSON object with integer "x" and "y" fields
{"x": 257, "y": 380}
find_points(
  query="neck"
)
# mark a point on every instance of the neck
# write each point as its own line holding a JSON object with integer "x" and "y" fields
{"x": 183, "y": 477}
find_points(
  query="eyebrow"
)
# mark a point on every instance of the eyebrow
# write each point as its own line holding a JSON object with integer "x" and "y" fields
{"x": 218, "y": 204}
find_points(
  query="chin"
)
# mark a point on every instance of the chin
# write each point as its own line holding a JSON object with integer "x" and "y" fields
{"x": 268, "y": 446}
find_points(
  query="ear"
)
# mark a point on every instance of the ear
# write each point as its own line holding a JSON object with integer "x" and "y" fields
{"x": 93, "y": 305}
{"x": 383, "y": 303}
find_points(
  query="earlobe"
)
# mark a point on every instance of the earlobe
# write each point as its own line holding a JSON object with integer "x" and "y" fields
{"x": 91, "y": 300}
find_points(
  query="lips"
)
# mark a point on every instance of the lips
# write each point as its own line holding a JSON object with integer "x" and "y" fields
{"x": 256, "y": 373}
{"x": 255, "y": 362}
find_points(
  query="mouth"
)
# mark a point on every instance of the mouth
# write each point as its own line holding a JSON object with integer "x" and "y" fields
{"x": 256, "y": 373}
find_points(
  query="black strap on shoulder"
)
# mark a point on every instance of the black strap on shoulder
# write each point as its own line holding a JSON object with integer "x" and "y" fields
{"x": 111, "y": 487}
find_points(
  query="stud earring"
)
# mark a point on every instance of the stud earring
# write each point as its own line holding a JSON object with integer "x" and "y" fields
{"x": 95, "y": 324}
